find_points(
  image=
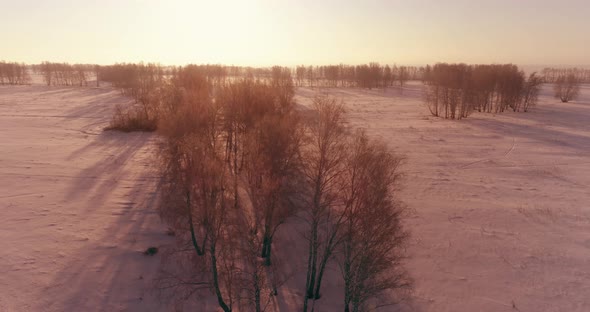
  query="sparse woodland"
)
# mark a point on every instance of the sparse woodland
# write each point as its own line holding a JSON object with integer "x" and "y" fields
{"x": 372, "y": 75}
{"x": 551, "y": 75}
{"x": 239, "y": 164}
{"x": 13, "y": 74}
{"x": 454, "y": 91}
{"x": 64, "y": 74}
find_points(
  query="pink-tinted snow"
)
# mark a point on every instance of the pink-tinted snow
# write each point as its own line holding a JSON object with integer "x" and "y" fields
{"x": 500, "y": 204}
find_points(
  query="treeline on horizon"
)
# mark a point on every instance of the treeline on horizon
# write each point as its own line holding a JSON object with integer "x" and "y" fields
{"x": 13, "y": 73}
{"x": 371, "y": 75}
{"x": 551, "y": 75}
{"x": 453, "y": 91}
{"x": 64, "y": 74}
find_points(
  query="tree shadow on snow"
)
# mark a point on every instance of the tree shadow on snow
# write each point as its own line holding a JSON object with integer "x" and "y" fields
{"x": 110, "y": 272}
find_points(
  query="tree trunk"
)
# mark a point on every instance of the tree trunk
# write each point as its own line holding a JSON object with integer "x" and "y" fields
{"x": 310, "y": 281}
{"x": 200, "y": 251}
{"x": 313, "y": 266}
{"x": 220, "y": 300}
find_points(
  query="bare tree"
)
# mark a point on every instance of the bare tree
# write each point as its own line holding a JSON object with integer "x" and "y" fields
{"x": 567, "y": 88}
{"x": 531, "y": 90}
{"x": 47, "y": 72}
{"x": 191, "y": 135}
{"x": 311, "y": 75}
{"x": 231, "y": 164}
{"x": 199, "y": 193}
{"x": 97, "y": 75}
{"x": 455, "y": 90}
{"x": 403, "y": 76}
{"x": 273, "y": 175}
{"x": 300, "y": 73}
{"x": 387, "y": 76}
{"x": 374, "y": 238}
{"x": 13, "y": 73}
{"x": 323, "y": 160}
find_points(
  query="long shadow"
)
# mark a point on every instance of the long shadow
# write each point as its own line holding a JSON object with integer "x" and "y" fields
{"x": 116, "y": 274}
{"x": 566, "y": 141}
{"x": 110, "y": 272}
{"x": 101, "y": 103}
{"x": 574, "y": 116}
{"x": 562, "y": 127}
{"x": 113, "y": 151}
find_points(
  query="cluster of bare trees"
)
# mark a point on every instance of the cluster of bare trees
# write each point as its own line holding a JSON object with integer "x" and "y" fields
{"x": 239, "y": 163}
{"x": 64, "y": 74}
{"x": 552, "y": 75}
{"x": 372, "y": 75}
{"x": 566, "y": 81}
{"x": 567, "y": 87}
{"x": 349, "y": 206}
{"x": 135, "y": 80}
{"x": 144, "y": 83}
{"x": 13, "y": 73}
{"x": 456, "y": 90}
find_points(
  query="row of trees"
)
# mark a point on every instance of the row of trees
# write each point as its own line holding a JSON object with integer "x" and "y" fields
{"x": 13, "y": 73}
{"x": 139, "y": 81}
{"x": 127, "y": 76}
{"x": 371, "y": 75}
{"x": 239, "y": 163}
{"x": 456, "y": 90}
{"x": 64, "y": 74}
{"x": 552, "y": 75}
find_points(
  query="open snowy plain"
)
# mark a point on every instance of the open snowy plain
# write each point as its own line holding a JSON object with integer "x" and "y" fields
{"x": 500, "y": 204}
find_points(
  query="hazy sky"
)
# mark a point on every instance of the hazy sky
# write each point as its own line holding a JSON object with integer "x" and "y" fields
{"x": 289, "y": 32}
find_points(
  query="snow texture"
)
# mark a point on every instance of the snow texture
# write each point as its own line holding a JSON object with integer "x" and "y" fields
{"x": 500, "y": 204}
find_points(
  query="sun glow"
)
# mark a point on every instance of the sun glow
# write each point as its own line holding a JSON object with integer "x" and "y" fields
{"x": 213, "y": 31}
{"x": 286, "y": 32}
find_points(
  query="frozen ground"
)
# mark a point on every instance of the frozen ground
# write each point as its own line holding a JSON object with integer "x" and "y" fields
{"x": 501, "y": 203}
{"x": 76, "y": 204}
{"x": 500, "y": 222}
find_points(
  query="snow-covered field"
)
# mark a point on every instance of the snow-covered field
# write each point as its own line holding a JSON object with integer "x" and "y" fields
{"x": 76, "y": 204}
{"x": 501, "y": 203}
{"x": 500, "y": 221}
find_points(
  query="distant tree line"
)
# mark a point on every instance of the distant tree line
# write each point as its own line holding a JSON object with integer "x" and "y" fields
{"x": 372, "y": 75}
{"x": 135, "y": 80}
{"x": 64, "y": 74}
{"x": 455, "y": 90}
{"x": 14, "y": 73}
{"x": 552, "y": 75}
{"x": 127, "y": 75}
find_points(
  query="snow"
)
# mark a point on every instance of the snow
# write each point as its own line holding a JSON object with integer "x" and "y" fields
{"x": 500, "y": 216}
{"x": 76, "y": 204}
{"x": 501, "y": 202}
